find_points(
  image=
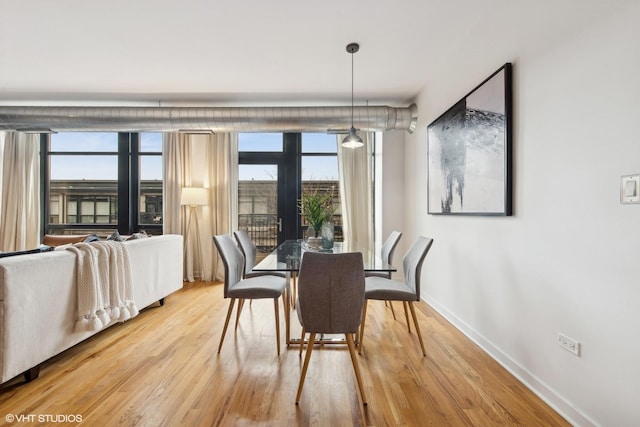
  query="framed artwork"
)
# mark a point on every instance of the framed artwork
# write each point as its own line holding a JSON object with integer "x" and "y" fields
{"x": 469, "y": 152}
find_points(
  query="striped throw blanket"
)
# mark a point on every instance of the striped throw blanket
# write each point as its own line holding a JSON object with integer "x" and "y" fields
{"x": 104, "y": 288}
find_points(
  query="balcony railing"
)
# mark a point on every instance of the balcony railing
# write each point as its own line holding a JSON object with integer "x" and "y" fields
{"x": 263, "y": 229}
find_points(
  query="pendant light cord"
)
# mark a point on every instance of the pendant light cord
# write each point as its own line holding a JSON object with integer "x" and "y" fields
{"x": 352, "y": 89}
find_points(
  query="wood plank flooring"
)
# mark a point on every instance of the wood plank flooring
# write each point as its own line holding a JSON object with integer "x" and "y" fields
{"x": 162, "y": 369}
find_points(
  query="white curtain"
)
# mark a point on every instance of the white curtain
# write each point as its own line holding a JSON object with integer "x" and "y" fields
{"x": 2, "y": 136}
{"x": 222, "y": 178}
{"x": 207, "y": 161}
{"x": 176, "y": 173}
{"x": 20, "y": 213}
{"x": 355, "y": 167}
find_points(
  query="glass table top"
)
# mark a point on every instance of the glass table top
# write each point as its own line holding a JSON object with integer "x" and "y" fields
{"x": 286, "y": 257}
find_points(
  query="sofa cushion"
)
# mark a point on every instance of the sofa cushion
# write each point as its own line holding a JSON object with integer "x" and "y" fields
{"x": 116, "y": 237}
{"x": 92, "y": 238}
{"x": 140, "y": 235}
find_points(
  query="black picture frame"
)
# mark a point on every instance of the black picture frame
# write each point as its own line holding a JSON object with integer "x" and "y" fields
{"x": 469, "y": 150}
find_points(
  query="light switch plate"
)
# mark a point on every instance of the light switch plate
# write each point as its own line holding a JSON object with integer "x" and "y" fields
{"x": 630, "y": 189}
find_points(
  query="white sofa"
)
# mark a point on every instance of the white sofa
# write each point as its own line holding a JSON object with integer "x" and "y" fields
{"x": 38, "y": 299}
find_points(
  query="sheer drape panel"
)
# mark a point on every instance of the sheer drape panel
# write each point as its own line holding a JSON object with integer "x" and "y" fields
{"x": 2, "y": 136}
{"x": 208, "y": 161}
{"x": 356, "y": 186}
{"x": 176, "y": 173}
{"x": 221, "y": 178}
{"x": 20, "y": 213}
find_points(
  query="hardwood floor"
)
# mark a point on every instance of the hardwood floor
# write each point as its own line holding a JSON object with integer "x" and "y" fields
{"x": 162, "y": 369}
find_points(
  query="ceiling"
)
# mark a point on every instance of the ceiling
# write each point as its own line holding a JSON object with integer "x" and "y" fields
{"x": 279, "y": 52}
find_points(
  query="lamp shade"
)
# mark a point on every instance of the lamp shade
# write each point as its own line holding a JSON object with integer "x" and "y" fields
{"x": 194, "y": 196}
{"x": 352, "y": 140}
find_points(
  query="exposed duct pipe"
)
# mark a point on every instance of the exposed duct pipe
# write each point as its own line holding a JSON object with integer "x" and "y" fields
{"x": 216, "y": 119}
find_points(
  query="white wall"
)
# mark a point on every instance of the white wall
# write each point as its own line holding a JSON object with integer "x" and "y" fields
{"x": 392, "y": 192}
{"x": 567, "y": 261}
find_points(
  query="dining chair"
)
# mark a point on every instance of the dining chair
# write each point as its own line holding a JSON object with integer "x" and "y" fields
{"x": 330, "y": 299}
{"x": 235, "y": 287}
{"x": 386, "y": 253}
{"x": 250, "y": 252}
{"x": 408, "y": 291}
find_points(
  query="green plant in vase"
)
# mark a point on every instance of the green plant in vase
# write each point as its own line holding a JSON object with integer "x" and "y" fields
{"x": 316, "y": 208}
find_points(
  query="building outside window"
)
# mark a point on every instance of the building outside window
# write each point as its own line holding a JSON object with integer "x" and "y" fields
{"x": 87, "y": 188}
{"x": 274, "y": 170}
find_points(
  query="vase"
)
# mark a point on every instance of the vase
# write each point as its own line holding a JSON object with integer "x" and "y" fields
{"x": 313, "y": 241}
{"x": 327, "y": 235}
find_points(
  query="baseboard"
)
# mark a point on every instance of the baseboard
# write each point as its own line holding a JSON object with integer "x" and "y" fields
{"x": 548, "y": 395}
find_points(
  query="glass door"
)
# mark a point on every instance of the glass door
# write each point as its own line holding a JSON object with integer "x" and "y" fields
{"x": 267, "y": 189}
{"x": 258, "y": 207}
{"x": 274, "y": 170}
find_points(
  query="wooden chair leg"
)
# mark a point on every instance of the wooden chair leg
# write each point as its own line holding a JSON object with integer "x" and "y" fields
{"x": 406, "y": 315}
{"x": 364, "y": 317}
{"x": 240, "y": 305}
{"x": 393, "y": 312}
{"x": 287, "y": 315}
{"x": 415, "y": 322}
{"x": 352, "y": 353}
{"x": 226, "y": 322}
{"x": 302, "y": 341}
{"x": 303, "y": 374}
{"x": 275, "y": 305}
{"x": 293, "y": 282}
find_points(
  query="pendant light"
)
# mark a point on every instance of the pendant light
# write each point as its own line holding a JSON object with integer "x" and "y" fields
{"x": 352, "y": 140}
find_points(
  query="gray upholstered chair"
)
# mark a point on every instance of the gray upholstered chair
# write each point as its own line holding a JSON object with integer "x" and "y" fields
{"x": 380, "y": 288}
{"x": 386, "y": 253}
{"x": 248, "y": 249}
{"x": 330, "y": 299}
{"x": 235, "y": 287}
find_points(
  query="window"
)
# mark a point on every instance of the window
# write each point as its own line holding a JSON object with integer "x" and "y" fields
{"x": 88, "y": 178}
{"x": 275, "y": 168}
{"x": 260, "y": 142}
{"x": 320, "y": 171}
{"x": 150, "y": 198}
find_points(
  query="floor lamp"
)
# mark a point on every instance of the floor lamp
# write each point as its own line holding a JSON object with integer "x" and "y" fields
{"x": 194, "y": 197}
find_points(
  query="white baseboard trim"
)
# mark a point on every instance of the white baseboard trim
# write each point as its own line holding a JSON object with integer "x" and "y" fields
{"x": 569, "y": 412}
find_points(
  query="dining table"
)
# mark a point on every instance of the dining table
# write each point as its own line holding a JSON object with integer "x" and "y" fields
{"x": 286, "y": 258}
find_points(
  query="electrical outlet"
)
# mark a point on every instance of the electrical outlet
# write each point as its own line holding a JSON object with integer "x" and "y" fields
{"x": 569, "y": 344}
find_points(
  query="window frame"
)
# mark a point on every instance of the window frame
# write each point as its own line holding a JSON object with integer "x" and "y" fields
{"x": 128, "y": 187}
{"x": 289, "y": 162}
